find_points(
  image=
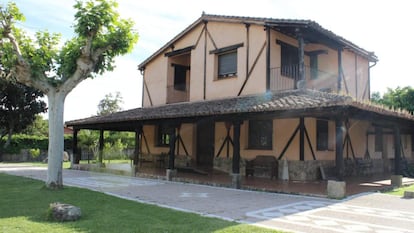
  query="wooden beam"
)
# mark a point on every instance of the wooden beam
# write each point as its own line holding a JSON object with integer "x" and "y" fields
{"x": 101, "y": 146}
{"x": 236, "y": 147}
{"x": 247, "y": 49}
{"x": 171, "y": 157}
{"x": 205, "y": 61}
{"x": 76, "y": 156}
{"x": 138, "y": 134}
{"x": 302, "y": 139}
{"x": 251, "y": 69}
{"x": 226, "y": 49}
{"x": 288, "y": 143}
{"x": 339, "y": 155}
{"x": 397, "y": 151}
{"x": 310, "y": 144}
{"x": 267, "y": 58}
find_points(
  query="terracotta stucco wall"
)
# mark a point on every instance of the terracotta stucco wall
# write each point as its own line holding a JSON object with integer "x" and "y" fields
{"x": 186, "y": 133}
{"x": 156, "y": 81}
{"x": 221, "y": 35}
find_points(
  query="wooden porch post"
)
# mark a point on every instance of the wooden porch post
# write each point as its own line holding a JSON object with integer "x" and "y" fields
{"x": 171, "y": 157}
{"x": 138, "y": 133}
{"x": 171, "y": 172}
{"x": 302, "y": 139}
{"x": 339, "y": 156}
{"x": 101, "y": 146}
{"x": 236, "y": 181}
{"x": 397, "y": 151}
{"x": 76, "y": 156}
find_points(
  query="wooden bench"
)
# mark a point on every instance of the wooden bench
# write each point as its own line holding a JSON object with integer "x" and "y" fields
{"x": 262, "y": 165}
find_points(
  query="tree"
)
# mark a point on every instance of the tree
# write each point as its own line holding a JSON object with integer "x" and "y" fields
{"x": 110, "y": 104}
{"x": 39, "y": 127}
{"x": 100, "y": 36}
{"x": 19, "y": 106}
{"x": 399, "y": 98}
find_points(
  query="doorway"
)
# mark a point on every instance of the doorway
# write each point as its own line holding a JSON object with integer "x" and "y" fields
{"x": 205, "y": 144}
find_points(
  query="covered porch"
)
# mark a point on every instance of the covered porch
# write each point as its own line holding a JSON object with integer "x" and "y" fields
{"x": 233, "y": 113}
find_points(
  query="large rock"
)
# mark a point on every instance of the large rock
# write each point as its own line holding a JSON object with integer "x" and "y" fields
{"x": 64, "y": 212}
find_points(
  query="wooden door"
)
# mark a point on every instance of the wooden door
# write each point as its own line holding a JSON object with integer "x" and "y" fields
{"x": 205, "y": 143}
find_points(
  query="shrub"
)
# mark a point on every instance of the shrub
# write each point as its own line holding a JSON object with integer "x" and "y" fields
{"x": 35, "y": 153}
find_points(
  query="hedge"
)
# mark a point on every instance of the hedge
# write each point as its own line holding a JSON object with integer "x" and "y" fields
{"x": 23, "y": 141}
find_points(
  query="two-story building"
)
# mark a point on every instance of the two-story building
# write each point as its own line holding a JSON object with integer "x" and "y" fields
{"x": 229, "y": 89}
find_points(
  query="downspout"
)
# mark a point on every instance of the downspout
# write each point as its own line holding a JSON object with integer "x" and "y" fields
{"x": 369, "y": 79}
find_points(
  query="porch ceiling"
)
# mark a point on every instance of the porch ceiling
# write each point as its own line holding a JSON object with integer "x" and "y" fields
{"x": 293, "y": 103}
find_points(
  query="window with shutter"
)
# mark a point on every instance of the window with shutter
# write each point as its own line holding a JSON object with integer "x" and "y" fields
{"x": 227, "y": 64}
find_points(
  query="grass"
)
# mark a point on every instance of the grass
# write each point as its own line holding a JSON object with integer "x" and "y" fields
{"x": 24, "y": 203}
{"x": 400, "y": 191}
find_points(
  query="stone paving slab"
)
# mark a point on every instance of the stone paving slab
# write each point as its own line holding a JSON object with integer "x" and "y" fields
{"x": 370, "y": 212}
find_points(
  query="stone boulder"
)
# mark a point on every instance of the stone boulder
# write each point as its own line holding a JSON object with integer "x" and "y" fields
{"x": 64, "y": 212}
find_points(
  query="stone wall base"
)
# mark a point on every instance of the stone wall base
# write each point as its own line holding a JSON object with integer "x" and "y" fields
{"x": 336, "y": 189}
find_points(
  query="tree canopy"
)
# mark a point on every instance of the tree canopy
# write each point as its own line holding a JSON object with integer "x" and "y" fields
{"x": 44, "y": 63}
{"x": 110, "y": 104}
{"x": 19, "y": 106}
{"x": 399, "y": 98}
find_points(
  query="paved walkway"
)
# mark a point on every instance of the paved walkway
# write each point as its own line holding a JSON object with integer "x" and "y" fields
{"x": 369, "y": 212}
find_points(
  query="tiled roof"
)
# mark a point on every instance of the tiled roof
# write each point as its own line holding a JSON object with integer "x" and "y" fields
{"x": 262, "y": 103}
{"x": 269, "y": 22}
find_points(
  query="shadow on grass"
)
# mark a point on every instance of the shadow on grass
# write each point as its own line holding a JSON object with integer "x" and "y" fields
{"x": 27, "y": 201}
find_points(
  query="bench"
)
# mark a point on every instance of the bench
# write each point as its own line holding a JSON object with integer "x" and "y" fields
{"x": 262, "y": 165}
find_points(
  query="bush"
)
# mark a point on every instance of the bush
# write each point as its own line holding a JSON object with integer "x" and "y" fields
{"x": 35, "y": 153}
{"x": 24, "y": 141}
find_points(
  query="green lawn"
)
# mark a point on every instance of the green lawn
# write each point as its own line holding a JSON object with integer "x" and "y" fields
{"x": 24, "y": 203}
{"x": 400, "y": 191}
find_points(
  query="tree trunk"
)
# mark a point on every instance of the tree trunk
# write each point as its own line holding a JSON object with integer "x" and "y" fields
{"x": 9, "y": 138}
{"x": 56, "y": 101}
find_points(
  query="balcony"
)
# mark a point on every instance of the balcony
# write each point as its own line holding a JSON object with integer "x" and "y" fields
{"x": 287, "y": 78}
{"x": 177, "y": 94}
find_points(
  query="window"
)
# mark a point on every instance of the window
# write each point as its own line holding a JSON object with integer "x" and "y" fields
{"x": 322, "y": 135}
{"x": 227, "y": 64}
{"x": 260, "y": 134}
{"x": 289, "y": 61}
{"x": 163, "y": 135}
{"x": 180, "y": 74}
{"x": 378, "y": 139}
{"x": 313, "y": 66}
{"x": 226, "y": 60}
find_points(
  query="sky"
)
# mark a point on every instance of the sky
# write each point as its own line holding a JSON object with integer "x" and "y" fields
{"x": 383, "y": 27}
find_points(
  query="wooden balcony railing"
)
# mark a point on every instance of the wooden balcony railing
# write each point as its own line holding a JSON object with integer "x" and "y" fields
{"x": 287, "y": 78}
{"x": 175, "y": 95}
